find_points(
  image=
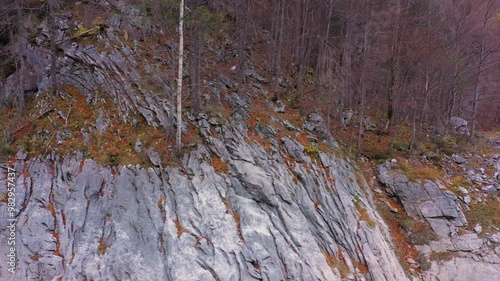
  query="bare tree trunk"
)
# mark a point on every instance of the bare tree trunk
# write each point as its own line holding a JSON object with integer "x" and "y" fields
{"x": 452, "y": 94}
{"x": 322, "y": 57}
{"x": 345, "y": 96}
{"x": 242, "y": 21}
{"x": 363, "y": 83}
{"x": 482, "y": 58}
{"x": 395, "y": 69}
{"x": 302, "y": 47}
{"x": 278, "y": 47}
{"x": 195, "y": 83}
{"x": 414, "y": 135}
{"x": 179, "y": 78}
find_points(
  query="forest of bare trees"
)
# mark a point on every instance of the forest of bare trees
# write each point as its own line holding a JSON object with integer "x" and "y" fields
{"x": 423, "y": 61}
{"x": 417, "y": 61}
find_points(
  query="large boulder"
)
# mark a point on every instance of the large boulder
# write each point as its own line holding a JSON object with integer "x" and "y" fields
{"x": 459, "y": 126}
{"x": 425, "y": 200}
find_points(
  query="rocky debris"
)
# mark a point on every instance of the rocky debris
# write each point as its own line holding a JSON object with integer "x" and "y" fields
{"x": 279, "y": 106}
{"x": 215, "y": 93}
{"x": 459, "y": 126}
{"x": 347, "y": 117}
{"x": 316, "y": 125}
{"x": 369, "y": 125}
{"x": 265, "y": 131}
{"x": 489, "y": 189}
{"x": 459, "y": 159}
{"x": 462, "y": 269}
{"x": 294, "y": 149}
{"x": 225, "y": 81}
{"x": 495, "y": 238}
{"x": 472, "y": 250}
{"x": 154, "y": 157}
{"x": 138, "y": 145}
{"x": 467, "y": 250}
{"x": 78, "y": 220}
{"x": 239, "y": 104}
{"x": 289, "y": 126}
{"x": 478, "y": 229}
{"x": 252, "y": 74}
{"x": 495, "y": 142}
{"x": 440, "y": 208}
{"x": 101, "y": 123}
{"x": 21, "y": 154}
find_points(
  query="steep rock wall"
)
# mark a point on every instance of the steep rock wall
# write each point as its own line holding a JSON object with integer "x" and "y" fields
{"x": 265, "y": 218}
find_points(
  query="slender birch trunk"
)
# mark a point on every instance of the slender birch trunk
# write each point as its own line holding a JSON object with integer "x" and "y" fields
{"x": 179, "y": 78}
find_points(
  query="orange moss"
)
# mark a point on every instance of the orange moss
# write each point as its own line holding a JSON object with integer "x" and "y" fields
{"x": 363, "y": 268}
{"x": 363, "y": 215}
{"x": 303, "y": 139}
{"x": 101, "y": 249}
{"x": 317, "y": 204}
{"x": 58, "y": 244}
{"x": 180, "y": 229}
{"x": 253, "y": 136}
{"x": 198, "y": 242}
{"x": 82, "y": 164}
{"x": 51, "y": 209}
{"x": 159, "y": 203}
{"x": 404, "y": 249}
{"x": 260, "y": 112}
{"x": 219, "y": 165}
{"x": 255, "y": 265}
{"x": 235, "y": 215}
{"x": 417, "y": 171}
{"x": 338, "y": 263}
{"x": 237, "y": 219}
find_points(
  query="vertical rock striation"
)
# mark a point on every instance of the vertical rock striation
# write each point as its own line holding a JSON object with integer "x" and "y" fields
{"x": 266, "y": 218}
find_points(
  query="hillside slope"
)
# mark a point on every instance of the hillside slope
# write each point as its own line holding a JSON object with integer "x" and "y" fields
{"x": 261, "y": 190}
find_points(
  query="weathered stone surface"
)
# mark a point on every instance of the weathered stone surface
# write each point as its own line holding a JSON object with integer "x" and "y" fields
{"x": 239, "y": 104}
{"x": 468, "y": 242}
{"x": 462, "y": 269}
{"x": 253, "y": 74}
{"x": 254, "y": 222}
{"x": 289, "y": 126}
{"x": 279, "y": 106}
{"x": 347, "y": 117}
{"x": 459, "y": 126}
{"x": 225, "y": 81}
{"x": 426, "y": 200}
{"x": 262, "y": 219}
{"x": 294, "y": 149}
{"x": 265, "y": 131}
{"x": 459, "y": 159}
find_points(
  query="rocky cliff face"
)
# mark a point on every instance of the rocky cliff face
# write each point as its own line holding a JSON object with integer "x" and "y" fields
{"x": 231, "y": 209}
{"x": 268, "y": 217}
{"x": 455, "y": 253}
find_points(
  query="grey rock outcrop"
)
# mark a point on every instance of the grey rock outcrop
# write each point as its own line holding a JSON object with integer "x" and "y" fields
{"x": 459, "y": 126}
{"x": 456, "y": 255}
{"x": 440, "y": 208}
{"x": 264, "y": 219}
{"x": 463, "y": 269}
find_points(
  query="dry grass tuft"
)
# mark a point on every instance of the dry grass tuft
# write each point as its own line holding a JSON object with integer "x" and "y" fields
{"x": 219, "y": 165}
